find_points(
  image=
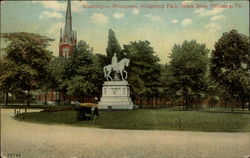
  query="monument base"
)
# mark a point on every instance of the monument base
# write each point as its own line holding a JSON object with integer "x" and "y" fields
{"x": 115, "y": 95}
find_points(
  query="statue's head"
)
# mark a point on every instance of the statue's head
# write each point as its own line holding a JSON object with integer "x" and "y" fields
{"x": 115, "y": 54}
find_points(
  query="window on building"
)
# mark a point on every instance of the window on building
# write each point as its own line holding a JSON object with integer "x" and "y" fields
{"x": 66, "y": 52}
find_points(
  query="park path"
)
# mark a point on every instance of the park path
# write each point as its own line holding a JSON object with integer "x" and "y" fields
{"x": 30, "y": 140}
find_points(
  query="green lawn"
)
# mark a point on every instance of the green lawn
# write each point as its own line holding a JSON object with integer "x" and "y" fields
{"x": 160, "y": 119}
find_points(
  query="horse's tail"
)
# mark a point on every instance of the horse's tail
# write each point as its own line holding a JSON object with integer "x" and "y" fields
{"x": 104, "y": 70}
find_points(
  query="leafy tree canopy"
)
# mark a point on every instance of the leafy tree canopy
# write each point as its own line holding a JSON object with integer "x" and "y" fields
{"x": 144, "y": 69}
{"x": 230, "y": 64}
{"x": 25, "y": 60}
{"x": 83, "y": 73}
{"x": 188, "y": 66}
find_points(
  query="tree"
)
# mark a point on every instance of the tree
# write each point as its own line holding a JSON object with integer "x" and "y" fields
{"x": 167, "y": 80}
{"x": 4, "y": 83}
{"x": 113, "y": 47}
{"x": 56, "y": 69}
{"x": 2, "y": 69}
{"x": 230, "y": 65}
{"x": 188, "y": 66}
{"x": 83, "y": 73}
{"x": 26, "y": 57}
{"x": 144, "y": 70}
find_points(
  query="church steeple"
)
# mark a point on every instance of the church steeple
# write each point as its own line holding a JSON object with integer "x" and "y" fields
{"x": 68, "y": 22}
{"x": 68, "y": 36}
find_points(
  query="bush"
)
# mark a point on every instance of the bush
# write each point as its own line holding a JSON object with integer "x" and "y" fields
{"x": 57, "y": 109}
{"x": 88, "y": 104}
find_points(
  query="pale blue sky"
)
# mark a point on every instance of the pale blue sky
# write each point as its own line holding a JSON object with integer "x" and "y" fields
{"x": 162, "y": 27}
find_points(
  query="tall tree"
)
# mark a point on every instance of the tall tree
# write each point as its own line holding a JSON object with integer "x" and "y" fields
{"x": 144, "y": 70}
{"x": 26, "y": 57}
{"x": 188, "y": 66}
{"x": 167, "y": 80}
{"x": 230, "y": 65}
{"x": 2, "y": 69}
{"x": 113, "y": 47}
{"x": 84, "y": 73}
{"x": 56, "y": 69}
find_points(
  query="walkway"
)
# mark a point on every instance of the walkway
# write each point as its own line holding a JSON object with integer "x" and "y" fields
{"x": 30, "y": 140}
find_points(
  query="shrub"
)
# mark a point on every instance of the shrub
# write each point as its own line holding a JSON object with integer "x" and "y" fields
{"x": 88, "y": 104}
{"x": 57, "y": 109}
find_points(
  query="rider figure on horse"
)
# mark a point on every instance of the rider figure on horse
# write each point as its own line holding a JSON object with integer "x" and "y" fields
{"x": 118, "y": 68}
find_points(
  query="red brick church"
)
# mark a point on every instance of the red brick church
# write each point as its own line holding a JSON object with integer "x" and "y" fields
{"x": 68, "y": 37}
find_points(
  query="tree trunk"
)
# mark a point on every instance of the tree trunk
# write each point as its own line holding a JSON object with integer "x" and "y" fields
{"x": 64, "y": 98}
{"x": 183, "y": 101}
{"x": 147, "y": 101}
{"x": 45, "y": 99}
{"x": 242, "y": 104}
{"x": 232, "y": 107}
{"x": 59, "y": 98}
{"x": 156, "y": 101}
{"x": 152, "y": 102}
{"x": 6, "y": 98}
{"x": 248, "y": 105}
{"x": 186, "y": 102}
{"x": 140, "y": 102}
{"x": 28, "y": 99}
{"x": 165, "y": 101}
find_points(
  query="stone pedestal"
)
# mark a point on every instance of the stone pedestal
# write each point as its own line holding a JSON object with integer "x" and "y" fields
{"x": 115, "y": 95}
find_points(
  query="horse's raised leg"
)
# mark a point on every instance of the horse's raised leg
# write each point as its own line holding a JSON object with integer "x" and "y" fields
{"x": 126, "y": 74}
{"x": 111, "y": 78}
{"x": 105, "y": 74}
{"x": 122, "y": 75}
{"x": 108, "y": 75}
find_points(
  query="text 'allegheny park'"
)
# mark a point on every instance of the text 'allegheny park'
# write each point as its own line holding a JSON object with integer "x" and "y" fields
{"x": 161, "y": 6}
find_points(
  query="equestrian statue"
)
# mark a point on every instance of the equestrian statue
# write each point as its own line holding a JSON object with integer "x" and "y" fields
{"x": 117, "y": 68}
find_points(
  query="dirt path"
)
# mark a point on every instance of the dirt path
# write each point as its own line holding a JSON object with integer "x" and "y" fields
{"x": 29, "y": 140}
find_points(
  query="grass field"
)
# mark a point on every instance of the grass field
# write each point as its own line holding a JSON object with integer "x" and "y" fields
{"x": 156, "y": 119}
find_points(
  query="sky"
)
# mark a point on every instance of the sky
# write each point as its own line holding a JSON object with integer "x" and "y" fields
{"x": 156, "y": 21}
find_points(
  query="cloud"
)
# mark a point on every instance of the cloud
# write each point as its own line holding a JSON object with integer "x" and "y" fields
{"x": 76, "y": 6}
{"x": 118, "y": 15}
{"x": 54, "y": 5}
{"x": 186, "y": 22}
{"x": 135, "y": 11}
{"x": 203, "y": 12}
{"x": 54, "y": 29}
{"x": 217, "y": 17}
{"x": 153, "y": 17}
{"x": 47, "y": 15}
{"x": 213, "y": 27}
{"x": 99, "y": 18}
{"x": 174, "y": 21}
